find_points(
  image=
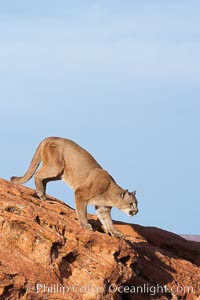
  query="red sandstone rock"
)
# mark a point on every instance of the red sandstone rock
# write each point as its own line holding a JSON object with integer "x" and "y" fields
{"x": 44, "y": 254}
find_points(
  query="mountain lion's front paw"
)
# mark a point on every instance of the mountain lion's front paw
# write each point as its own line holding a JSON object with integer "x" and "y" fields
{"x": 87, "y": 227}
{"x": 42, "y": 196}
{"x": 116, "y": 233}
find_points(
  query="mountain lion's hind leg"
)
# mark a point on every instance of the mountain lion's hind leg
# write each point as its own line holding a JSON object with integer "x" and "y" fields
{"x": 49, "y": 172}
{"x": 103, "y": 213}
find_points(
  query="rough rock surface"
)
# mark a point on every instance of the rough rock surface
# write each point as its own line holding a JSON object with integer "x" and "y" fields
{"x": 44, "y": 254}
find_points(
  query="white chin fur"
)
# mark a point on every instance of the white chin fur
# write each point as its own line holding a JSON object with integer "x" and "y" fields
{"x": 128, "y": 213}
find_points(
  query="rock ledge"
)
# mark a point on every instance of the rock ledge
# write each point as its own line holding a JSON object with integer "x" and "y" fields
{"x": 45, "y": 255}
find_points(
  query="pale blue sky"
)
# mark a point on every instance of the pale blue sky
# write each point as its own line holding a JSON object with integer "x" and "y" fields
{"x": 122, "y": 79}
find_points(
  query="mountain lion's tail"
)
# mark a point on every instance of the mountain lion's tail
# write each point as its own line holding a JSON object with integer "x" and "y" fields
{"x": 31, "y": 170}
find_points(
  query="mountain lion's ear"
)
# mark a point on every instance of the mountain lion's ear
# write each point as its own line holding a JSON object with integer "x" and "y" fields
{"x": 134, "y": 193}
{"x": 122, "y": 195}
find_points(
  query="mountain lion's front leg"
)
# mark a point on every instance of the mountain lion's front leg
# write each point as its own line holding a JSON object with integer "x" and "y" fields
{"x": 81, "y": 211}
{"x": 103, "y": 213}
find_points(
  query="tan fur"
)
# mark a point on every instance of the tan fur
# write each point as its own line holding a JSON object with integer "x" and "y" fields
{"x": 63, "y": 159}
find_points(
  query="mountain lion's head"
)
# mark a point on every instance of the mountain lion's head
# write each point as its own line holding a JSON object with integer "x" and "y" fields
{"x": 128, "y": 203}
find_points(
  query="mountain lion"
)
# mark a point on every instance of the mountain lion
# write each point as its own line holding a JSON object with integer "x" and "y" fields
{"x": 64, "y": 159}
